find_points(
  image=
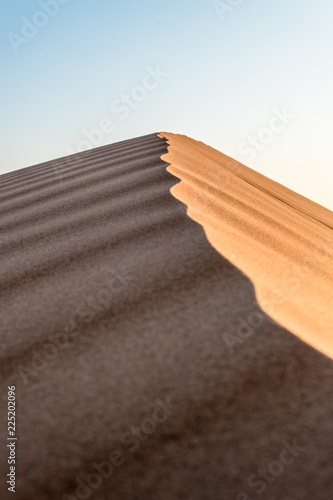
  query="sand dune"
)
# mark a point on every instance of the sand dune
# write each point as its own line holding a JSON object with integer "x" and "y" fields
{"x": 281, "y": 240}
{"x": 144, "y": 367}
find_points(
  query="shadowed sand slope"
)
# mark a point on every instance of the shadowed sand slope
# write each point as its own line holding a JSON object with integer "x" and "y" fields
{"x": 143, "y": 365}
{"x": 281, "y": 240}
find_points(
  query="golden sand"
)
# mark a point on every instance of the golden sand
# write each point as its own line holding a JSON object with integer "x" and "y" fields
{"x": 282, "y": 241}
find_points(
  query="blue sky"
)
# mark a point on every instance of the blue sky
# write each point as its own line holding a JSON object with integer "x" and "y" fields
{"x": 251, "y": 78}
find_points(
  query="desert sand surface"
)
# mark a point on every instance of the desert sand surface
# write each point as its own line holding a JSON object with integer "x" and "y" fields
{"x": 144, "y": 367}
{"x": 282, "y": 241}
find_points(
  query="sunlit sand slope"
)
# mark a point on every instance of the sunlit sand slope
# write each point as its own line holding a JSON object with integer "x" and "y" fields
{"x": 282, "y": 241}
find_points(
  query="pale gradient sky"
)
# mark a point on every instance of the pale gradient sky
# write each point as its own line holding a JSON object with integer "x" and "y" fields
{"x": 228, "y": 77}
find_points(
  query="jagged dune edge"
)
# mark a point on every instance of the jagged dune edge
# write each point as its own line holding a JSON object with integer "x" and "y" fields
{"x": 281, "y": 240}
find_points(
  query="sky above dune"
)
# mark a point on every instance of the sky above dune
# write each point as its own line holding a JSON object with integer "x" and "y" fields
{"x": 251, "y": 78}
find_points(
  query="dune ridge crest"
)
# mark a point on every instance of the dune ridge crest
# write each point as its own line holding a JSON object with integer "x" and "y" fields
{"x": 281, "y": 240}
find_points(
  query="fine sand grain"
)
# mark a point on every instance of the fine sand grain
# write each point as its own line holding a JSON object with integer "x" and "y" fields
{"x": 282, "y": 241}
{"x": 115, "y": 303}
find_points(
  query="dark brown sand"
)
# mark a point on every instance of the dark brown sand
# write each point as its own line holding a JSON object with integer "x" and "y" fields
{"x": 114, "y": 303}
